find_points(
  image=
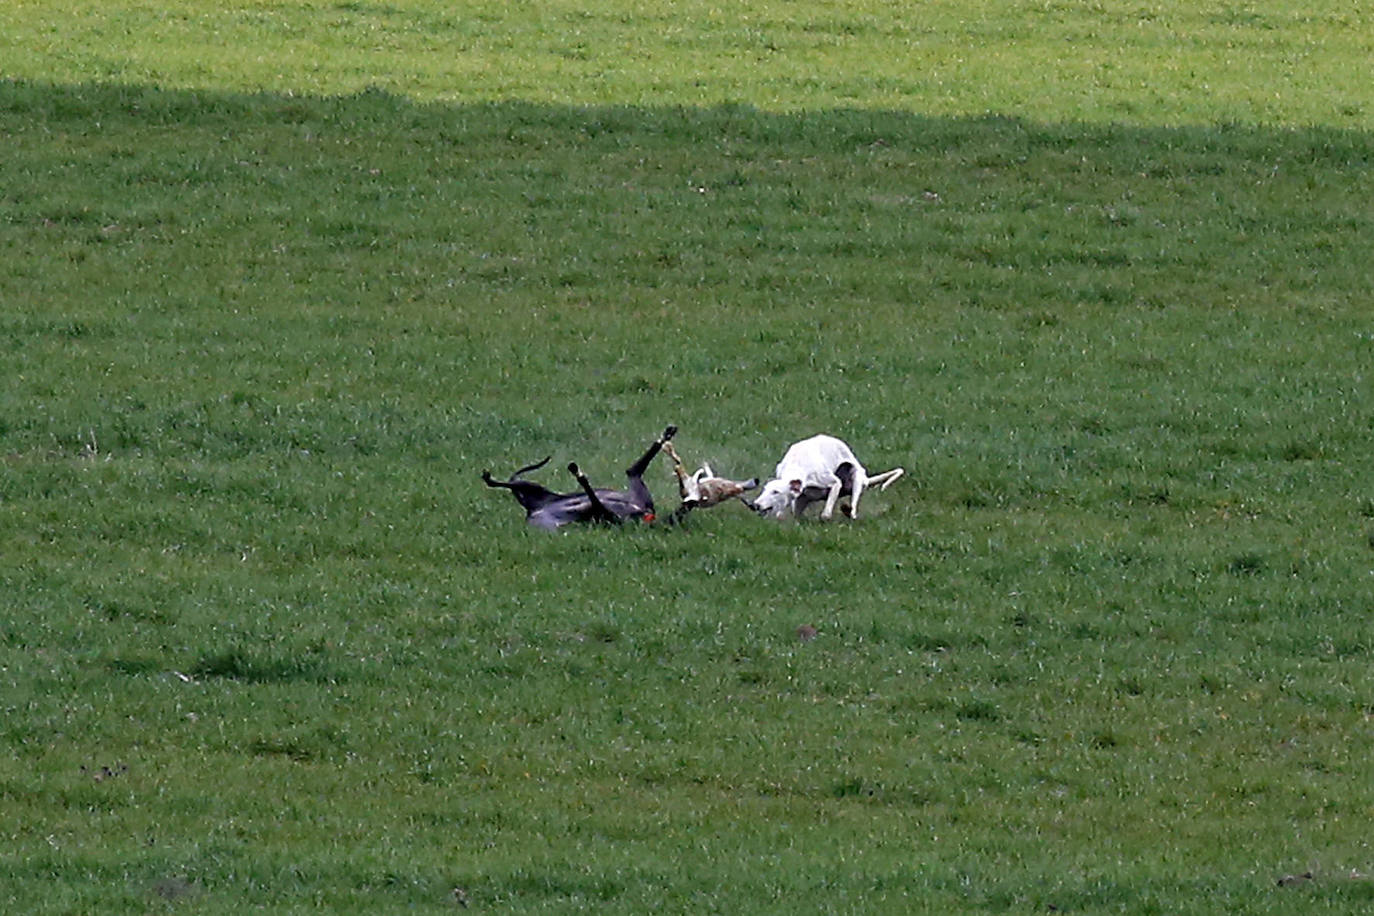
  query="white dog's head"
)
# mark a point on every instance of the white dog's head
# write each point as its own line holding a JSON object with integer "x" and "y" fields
{"x": 778, "y": 498}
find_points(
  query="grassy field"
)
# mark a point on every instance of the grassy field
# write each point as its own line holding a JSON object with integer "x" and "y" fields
{"x": 278, "y": 280}
{"x": 1157, "y": 63}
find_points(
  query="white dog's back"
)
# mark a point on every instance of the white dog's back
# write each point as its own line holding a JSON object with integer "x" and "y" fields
{"x": 810, "y": 458}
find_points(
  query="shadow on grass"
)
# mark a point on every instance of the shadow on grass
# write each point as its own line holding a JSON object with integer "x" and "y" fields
{"x": 513, "y": 255}
{"x": 96, "y": 108}
{"x": 379, "y": 198}
{"x": 252, "y": 667}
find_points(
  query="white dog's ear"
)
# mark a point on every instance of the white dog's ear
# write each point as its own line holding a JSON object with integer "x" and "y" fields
{"x": 795, "y": 486}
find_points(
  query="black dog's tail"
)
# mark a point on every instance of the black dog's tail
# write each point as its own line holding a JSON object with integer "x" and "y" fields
{"x": 489, "y": 481}
{"x": 533, "y": 467}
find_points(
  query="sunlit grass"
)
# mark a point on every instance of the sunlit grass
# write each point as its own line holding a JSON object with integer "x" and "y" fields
{"x": 1162, "y": 63}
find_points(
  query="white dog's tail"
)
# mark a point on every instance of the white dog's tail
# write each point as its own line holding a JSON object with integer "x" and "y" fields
{"x": 886, "y": 478}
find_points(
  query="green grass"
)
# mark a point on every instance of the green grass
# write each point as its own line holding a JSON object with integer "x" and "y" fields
{"x": 1158, "y": 63}
{"x": 268, "y": 304}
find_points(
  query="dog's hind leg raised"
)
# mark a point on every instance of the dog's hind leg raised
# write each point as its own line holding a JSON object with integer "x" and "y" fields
{"x": 639, "y": 491}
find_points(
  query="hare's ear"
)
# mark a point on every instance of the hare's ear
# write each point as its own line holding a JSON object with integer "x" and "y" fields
{"x": 795, "y": 485}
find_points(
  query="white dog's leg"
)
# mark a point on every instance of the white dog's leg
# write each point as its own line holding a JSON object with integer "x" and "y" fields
{"x": 883, "y": 480}
{"x": 859, "y": 483}
{"x": 832, "y": 498}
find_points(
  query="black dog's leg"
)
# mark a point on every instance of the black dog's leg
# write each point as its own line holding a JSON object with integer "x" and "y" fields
{"x": 528, "y": 494}
{"x": 598, "y": 512}
{"x": 639, "y": 467}
{"x": 638, "y": 490}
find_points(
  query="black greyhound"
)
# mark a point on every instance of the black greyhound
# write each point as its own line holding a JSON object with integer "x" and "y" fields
{"x": 549, "y": 510}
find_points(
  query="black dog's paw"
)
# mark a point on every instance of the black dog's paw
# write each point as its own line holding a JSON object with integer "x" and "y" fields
{"x": 669, "y": 433}
{"x": 486, "y": 477}
{"x": 574, "y": 469}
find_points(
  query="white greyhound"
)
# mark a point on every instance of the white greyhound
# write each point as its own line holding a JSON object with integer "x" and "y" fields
{"x": 821, "y": 467}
